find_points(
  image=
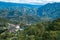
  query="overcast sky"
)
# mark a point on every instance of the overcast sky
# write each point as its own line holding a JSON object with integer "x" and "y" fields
{"x": 32, "y": 1}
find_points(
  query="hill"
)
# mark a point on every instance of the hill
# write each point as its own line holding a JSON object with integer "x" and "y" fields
{"x": 19, "y": 12}
{"x": 49, "y": 11}
{"x": 27, "y": 13}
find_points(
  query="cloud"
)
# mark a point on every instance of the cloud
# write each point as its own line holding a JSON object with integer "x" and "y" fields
{"x": 32, "y": 1}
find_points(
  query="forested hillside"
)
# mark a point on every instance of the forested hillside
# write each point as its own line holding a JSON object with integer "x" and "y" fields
{"x": 29, "y": 22}
{"x": 50, "y": 11}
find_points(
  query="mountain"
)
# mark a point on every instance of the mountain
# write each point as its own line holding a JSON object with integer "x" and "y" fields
{"x": 8, "y": 4}
{"x": 27, "y": 13}
{"x": 49, "y": 11}
{"x": 19, "y": 12}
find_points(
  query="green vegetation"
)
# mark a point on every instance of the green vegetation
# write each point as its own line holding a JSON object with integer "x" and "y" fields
{"x": 24, "y": 22}
{"x": 40, "y": 31}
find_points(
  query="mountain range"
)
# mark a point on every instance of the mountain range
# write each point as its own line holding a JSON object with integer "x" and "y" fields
{"x": 49, "y": 11}
{"x": 29, "y": 13}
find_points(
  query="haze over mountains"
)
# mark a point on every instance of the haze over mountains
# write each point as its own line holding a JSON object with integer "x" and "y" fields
{"x": 29, "y": 13}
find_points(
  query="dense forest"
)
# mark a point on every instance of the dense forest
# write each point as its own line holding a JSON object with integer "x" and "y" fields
{"x": 40, "y": 31}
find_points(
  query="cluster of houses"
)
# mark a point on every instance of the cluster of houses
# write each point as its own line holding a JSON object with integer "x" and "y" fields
{"x": 15, "y": 28}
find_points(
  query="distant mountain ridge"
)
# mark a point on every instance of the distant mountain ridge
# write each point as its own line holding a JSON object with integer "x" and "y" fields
{"x": 20, "y": 12}
{"x": 7, "y": 4}
{"x": 50, "y": 10}
{"x": 29, "y": 13}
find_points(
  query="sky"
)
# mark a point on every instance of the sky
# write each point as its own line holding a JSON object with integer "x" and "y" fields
{"x": 31, "y": 1}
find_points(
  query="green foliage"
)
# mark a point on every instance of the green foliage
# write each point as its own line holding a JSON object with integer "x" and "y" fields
{"x": 39, "y": 31}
